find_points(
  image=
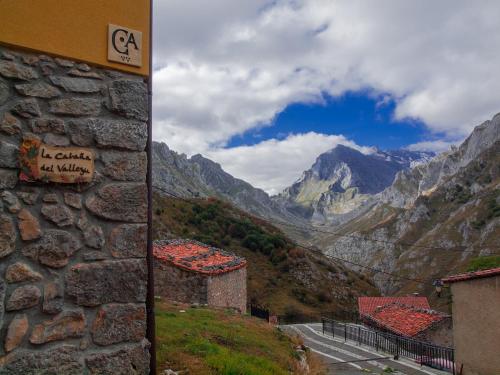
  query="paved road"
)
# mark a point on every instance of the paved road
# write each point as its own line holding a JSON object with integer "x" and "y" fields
{"x": 362, "y": 360}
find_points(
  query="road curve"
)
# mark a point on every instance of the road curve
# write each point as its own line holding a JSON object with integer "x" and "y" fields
{"x": 360, "y": 360}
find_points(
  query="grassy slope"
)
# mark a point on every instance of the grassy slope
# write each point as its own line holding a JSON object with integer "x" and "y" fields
{"x": 281, "y": 277}
{"x": 484, "y": 263}
{"x": 207, "y": 341}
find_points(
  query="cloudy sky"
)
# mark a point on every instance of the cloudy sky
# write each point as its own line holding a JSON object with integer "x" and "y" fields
{"x": 264, "y": 87}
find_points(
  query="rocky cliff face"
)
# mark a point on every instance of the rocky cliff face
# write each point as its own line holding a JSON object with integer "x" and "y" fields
{"x": 176, "y": 173}
{"x": 343, "y": 180}
{"x": 423, "y": 179}
{"x": 432, "y": 219}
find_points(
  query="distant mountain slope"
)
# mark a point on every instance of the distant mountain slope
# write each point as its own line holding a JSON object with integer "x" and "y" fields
{"x": 432, "y": 220}
{"x": 343, "y": 179}
{"x": 200, "y": 177}
{"x": 289, "y": 280}
{"x": 424, "y": 178}
{"x": 176, "y": 173}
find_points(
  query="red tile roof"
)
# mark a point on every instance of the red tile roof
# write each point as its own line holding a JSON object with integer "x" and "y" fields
{"x": 472, "y": 275}
{"x": 197, "y": 257}
{"x": 366, "y": 305}
{"x": 405, "y": 320}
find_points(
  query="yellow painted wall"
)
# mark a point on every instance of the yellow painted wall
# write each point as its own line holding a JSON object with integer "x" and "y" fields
{"x": 76, "y": 29}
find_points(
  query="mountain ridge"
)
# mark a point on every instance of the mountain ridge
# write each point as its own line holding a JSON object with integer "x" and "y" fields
{"x": 201, "y": 177}
{"x": 342, "y": 180}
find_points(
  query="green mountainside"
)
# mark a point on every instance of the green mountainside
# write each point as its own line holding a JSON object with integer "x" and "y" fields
{"x": 290, "y": 281}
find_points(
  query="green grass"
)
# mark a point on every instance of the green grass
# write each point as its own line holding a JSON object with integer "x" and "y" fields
{"x": 206, "y": 341}
{"x": 484, "y": 263}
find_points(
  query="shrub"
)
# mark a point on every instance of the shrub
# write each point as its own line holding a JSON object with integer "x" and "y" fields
{"x": 278, "y": 256}
{"x": 484, "y": 263}
{"x": 251, "y": 242}
{"x": 236, "y": 230}
{"x": 324, "y": 296}
{"x": 296, "y": 253}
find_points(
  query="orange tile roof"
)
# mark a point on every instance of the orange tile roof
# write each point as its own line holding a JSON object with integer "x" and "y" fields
{"x": 366, "y": 305}
{"x": 472, "y": 275}
{"x": 197, "y": 257}
{"x": 405, "y": 320}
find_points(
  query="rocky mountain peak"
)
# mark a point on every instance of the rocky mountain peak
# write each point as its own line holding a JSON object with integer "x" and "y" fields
{"x": 343, "y": 178}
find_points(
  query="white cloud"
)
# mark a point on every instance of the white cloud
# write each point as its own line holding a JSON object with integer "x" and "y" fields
{"x": 275, "y": 164}
{"x": 223, "y": 67}
{"x": 434, "y": 146}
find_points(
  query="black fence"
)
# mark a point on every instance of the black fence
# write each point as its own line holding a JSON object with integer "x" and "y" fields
{"x": 259, "y": 312}
{"x": 438, "y": 357}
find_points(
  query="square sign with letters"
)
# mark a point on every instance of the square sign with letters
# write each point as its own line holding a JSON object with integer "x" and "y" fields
{"x": 124, "y": 45}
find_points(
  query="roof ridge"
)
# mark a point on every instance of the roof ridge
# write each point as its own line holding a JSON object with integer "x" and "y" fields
{"x": 472, "y": 275}
{"x": 413, "y": 308}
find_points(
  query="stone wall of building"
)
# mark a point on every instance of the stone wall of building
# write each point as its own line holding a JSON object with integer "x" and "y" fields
{"x": 73, "y": 275}
{"x": 440, "y": 333}
{"x": 476, "y": 325}
{"x": 179, "y": 285}
{"x": 229, "y": 290}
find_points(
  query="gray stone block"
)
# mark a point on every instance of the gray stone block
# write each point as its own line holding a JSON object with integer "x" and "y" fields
{"x": 27, "y": 108}
{"x": 79, "y": 85}
{"x": 7, "y": 235}
{"x": 38, "y": 90}
{"x": 115, "y": 323}
{"x": 125, "y": 166}
{"x": 54, "y": 249}
{"x": 10, "y": 69}
{"x": 75, "y": 107}
{"x": 9, "y": 155}
{"x": 129, "y": 98}
{"x": 121, "y": 281}
{"x": 121, "y": 202}
{"x": 59, "y": 360}
{"x": 130, "y": 360}
{"x": 128, "y": 241}
{"x": 8, "y": 178}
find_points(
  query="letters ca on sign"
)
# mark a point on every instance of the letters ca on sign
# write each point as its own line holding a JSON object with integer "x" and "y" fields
{"x": 124, "y": 45}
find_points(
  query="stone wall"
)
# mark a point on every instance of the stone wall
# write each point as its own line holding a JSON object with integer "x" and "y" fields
{"x": 176, "y": 284}
{"x": 73, "y": 273}
{"x": 440, "y": 333}
{"x": 224, "y": 290}
{"x": 476, "y": 325}
{"x": 229, "y": 290}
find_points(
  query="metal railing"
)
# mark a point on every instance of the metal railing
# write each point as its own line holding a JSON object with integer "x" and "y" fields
{"x": 259, "y": 312}
{"x": 424, "y": 353}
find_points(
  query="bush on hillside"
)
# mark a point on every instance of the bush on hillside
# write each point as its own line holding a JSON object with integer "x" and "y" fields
{"x": 484, "y": 263}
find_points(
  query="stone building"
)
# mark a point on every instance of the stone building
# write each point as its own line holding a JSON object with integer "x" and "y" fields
{"x": 407, "y": 316}
{"x": 73, "y": 274}
{"x": 476, "y": 321}
{"x": 191, "y": 272}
